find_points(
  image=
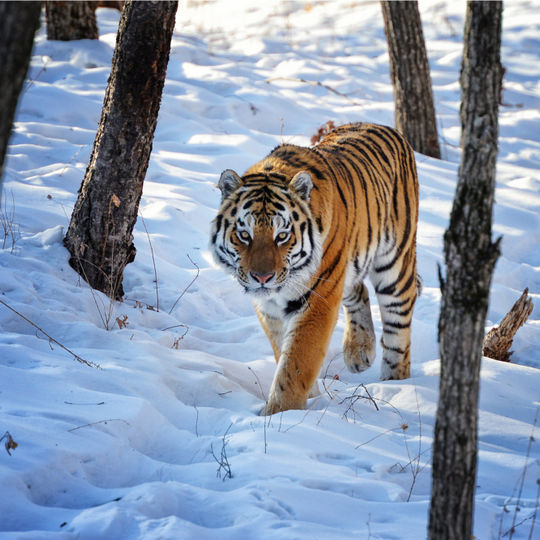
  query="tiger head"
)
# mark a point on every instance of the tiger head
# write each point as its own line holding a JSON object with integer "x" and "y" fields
{"x": 264, "y": 231}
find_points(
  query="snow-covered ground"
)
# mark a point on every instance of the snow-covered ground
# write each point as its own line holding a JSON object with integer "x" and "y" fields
{"x": 164, "y": 441}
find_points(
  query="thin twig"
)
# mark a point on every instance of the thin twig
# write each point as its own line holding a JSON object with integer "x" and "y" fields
{"x": 223, "y": 460}
{"x": 313, "y": 83}
{"x": 196, "y": 420}
{"x": 153, "y": 260}
{"x": 522, "y": 478}
{"x": 177, "y": 326}
{"x": 51, "y": 339}
{"x": 355, "y": 397}
{"x": 104, "y": 314}
{"x": 72, "y": 160}
{"x": 257, "y": 381}
{"x": 414, "y": 463}
{"x": 7, "y": 219}
{"x": 533, "y": 517}
{"x": 85, "y": 404}
{"x": 98, "y": 422}
{"x": 30, "y": 82}
{"x": 190, "y": 284}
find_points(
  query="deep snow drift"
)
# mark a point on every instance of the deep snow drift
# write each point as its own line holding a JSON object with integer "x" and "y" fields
{"x": 164, "y": 440}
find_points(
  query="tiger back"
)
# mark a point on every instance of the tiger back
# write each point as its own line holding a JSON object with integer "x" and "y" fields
{"x": 302, "y": 229}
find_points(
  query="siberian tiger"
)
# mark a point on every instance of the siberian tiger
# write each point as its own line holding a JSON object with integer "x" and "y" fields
{"x": 301, "y": 229}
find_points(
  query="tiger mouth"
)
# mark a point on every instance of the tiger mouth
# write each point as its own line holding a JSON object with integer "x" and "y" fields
{"x": 261, "y": 290}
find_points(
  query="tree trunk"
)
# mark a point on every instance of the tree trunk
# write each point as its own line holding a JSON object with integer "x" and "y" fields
{"x": 67, "y": 21}
{"x": 99, "y": 237}
{"x": 470, "y": 258}
{"x": 18, "y": 23}
{"x": 409, "y": 69}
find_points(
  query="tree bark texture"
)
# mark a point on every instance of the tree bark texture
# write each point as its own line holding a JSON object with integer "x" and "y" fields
{"x": 67, "y": 21}
{"x": 409, "y": 69}
{"x": 470, "y": 258}
{"x": 18, "y": 24}
{"x": 99, "y": 237}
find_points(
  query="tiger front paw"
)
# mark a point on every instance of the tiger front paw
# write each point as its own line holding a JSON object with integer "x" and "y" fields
{"x": 281, "y": 403}
{"x": 269, "y": 409}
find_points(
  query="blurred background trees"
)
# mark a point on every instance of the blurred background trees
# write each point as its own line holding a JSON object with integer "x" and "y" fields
{"x": 409, "y": 68}
{"x": 18, "y": 24}
{"x": 71, "y": 20}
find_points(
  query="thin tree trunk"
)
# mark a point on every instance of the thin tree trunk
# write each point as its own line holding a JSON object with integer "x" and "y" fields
{"x": 67, "y": 21}
{"x": 470, "y": 258}
{"x": 18, "y": 24}
{"x": 409, "y": 69}
{"x": 99, "y": 237}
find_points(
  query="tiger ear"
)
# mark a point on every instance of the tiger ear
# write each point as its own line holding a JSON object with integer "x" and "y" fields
{"x": 302, "y": 184}
{"x": 228, "y": 182}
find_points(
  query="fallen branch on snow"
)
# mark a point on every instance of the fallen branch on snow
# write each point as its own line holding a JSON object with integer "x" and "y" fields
{"x": 498, "y": 340}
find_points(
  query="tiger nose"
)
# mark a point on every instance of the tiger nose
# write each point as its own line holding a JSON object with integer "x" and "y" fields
{"x": 262, "y": 278}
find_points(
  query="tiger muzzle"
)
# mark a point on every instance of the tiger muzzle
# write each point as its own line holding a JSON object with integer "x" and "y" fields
{"x": 262, "y": 278}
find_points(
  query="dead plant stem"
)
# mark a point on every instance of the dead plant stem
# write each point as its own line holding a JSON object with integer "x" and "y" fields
{"x": 51, "y": 339}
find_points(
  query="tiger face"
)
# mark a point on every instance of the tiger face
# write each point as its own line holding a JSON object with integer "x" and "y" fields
{"x": 264, "y": 232}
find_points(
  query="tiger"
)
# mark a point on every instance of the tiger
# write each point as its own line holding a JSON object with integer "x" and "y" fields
{"x": 302, "y": 229}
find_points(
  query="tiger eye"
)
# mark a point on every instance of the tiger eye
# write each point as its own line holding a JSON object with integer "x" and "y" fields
{"x": 244, "y": 235}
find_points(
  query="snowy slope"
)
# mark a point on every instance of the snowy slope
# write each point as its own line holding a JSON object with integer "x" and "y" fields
{"x": 163, "y": 441}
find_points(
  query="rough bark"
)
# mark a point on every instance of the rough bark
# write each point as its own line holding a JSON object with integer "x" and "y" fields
{"x": 99, "y": 237}
{"x": 498, "y": 340}
{"x": 409, "y": 69}
{"x": 114, "y": 4}
{"x": 18, "y": 24}
{"x": 67, "y": 21}
{"x": 470, "y": 257}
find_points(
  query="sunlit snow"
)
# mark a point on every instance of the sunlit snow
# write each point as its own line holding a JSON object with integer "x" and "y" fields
{"x": 164, "y": 441}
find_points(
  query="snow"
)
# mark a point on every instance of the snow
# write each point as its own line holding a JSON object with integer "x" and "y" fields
{"x": 131, "y": 450}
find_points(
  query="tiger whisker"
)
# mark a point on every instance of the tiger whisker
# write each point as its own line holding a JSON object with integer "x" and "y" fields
{"x": 323, "y": 279}
{"x": 298, "y": 284}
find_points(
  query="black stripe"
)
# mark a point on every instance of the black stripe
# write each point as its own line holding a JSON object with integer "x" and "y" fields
{"x": 336, "y": 183}
{"x": 398, "y": 326}
{"x": 296, "y": 305}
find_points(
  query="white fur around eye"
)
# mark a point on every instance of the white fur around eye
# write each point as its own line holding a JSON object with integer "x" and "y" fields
{"x": 282, "y": 237}
{"x": 243, "y": 236}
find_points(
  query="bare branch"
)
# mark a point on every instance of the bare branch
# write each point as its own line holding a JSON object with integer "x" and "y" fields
{"x": 51, "y": 339}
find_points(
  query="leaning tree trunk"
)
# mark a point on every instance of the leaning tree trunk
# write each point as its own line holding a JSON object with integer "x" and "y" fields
{"x": 18, "y": 23}
{"x": 470, "y": 258}
{"x": 99, "y": 237}
{"x": 409, "y": 68}
{"x": 67, "y": 21}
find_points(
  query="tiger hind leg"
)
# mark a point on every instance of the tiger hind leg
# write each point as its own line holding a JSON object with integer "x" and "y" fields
{"x": 359, "y": 338}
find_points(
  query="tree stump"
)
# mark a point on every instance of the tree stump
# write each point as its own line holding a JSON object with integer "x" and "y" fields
{"x": 498, "y": 340}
